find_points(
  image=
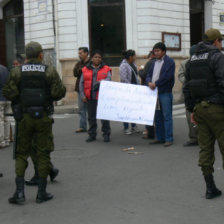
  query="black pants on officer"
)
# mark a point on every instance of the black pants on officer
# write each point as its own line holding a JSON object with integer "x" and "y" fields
{"x": 92, "y": 107}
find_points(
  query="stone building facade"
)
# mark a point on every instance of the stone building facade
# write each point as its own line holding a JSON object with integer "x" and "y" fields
{"x": 62, "y": 26}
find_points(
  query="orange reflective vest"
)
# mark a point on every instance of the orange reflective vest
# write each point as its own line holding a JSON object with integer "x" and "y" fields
{"x": 88, "y": 79}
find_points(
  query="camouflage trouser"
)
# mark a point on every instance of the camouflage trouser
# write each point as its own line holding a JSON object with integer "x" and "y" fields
{"x": 33, "y": 155}
{"x": 40, "y": 130}
{"x": 210, "y": 118}
{"x": 4, "y": 123}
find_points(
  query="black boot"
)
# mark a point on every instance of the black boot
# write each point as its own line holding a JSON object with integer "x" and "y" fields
{"x": 53, "y": 173}
{"x": 34, "y": 180}
{"x": 212, "y": 191}
{"x": 106, "y": 138}
{"x": 19, "y": 196}
{"x": 91, "y": 139}
{"x": 42, "y": 195}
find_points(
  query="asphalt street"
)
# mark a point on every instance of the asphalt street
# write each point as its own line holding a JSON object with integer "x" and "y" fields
{"x": 98, "y": 183}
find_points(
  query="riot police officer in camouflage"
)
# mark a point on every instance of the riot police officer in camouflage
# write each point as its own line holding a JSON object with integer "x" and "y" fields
{"x": 32, "y": 88}
{"x": 204, "y": 98}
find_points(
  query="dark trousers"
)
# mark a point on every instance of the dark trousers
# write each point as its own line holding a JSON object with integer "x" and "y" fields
{"x": 210, "y": 119}
{"x": 151, "y": 131}
{"x": 126, "y": 125}
{"x": 38, "y": 131}
{"x": 92, "y": 106}
{"x": 164, "y": 119}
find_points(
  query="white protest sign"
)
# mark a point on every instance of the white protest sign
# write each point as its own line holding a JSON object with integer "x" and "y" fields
{"x": 126, "y": 103}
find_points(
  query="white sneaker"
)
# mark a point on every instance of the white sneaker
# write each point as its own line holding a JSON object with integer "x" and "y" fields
{"x": 3, "y": 145}
{"x": 127, "y": 132}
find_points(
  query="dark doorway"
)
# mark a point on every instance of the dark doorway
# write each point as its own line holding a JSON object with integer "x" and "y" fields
{"x": 2, "y": 43}
{"x": 197, "y": 23}
{"x": 107, "y": 28}
{"x": 13, "y": 30}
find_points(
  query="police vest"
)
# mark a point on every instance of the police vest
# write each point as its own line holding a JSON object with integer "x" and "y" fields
{"x": 202, "y": 79}
{"x": 88, "y": 78}
{"x": 34, "y": 90}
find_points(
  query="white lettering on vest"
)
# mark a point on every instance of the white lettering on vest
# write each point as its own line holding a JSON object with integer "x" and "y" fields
{"x": 33, "y": 68}
{"x": 199, "y": 57}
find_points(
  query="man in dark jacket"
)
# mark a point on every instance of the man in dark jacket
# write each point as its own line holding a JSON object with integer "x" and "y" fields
{"x": 84, "y": 60}
{"x": 204, "y": 98}
{"x": 161, "y": 76}
{"x": 193, "y": 136}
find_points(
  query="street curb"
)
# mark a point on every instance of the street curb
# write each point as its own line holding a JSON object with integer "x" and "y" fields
{"x": 66, "y": 110}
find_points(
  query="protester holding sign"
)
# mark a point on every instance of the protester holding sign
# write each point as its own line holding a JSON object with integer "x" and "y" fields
{"x": 161, "y": 76}
{"x": 128, "y": 74}
{"x": 89, "y": 85}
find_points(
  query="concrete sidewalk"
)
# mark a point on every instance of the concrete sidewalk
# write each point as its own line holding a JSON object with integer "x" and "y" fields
{"x": 66, "y": 109}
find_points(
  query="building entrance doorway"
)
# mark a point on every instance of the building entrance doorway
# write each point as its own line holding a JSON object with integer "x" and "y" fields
{"x": 12, "y": 32}
{"x": 107, "y": 28}
{"x": 197, "y": 24}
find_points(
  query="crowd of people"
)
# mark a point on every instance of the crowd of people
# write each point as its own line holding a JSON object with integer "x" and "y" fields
{"x": 159, "y": 72}
{"x": 31, "y": 87}
{"x": 202, "y": 78}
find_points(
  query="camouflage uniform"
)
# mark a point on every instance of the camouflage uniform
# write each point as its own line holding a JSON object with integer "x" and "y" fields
{"x": 30, "y": 127}
{"x": 204, "y": 97}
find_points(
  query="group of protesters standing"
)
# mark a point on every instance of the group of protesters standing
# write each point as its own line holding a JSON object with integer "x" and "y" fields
{"x": 203, "y": 88}
{"x": 159, "y": 72}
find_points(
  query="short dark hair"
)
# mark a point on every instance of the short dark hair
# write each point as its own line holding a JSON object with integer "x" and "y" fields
{"x": 128, "y": 53}
{"x": 84, "y": 49}
{"x": 160, "y": 46}
{"x": 205, "y": 37}
{"x": 32, "y": 53}
{"x": 33, "y": 50}
{"x": 97, "y": 51}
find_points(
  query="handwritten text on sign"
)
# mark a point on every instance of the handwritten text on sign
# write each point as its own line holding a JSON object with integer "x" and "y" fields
{"x": 126, "y": 103}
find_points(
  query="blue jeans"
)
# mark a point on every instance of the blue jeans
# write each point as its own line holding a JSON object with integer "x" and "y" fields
{"x": 164, "y": 118}
{"x": 82, "y": 113}
{"x": 126, "y": 125}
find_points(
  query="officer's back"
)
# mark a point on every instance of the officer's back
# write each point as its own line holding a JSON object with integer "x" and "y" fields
{"x": 32, "y": 88}
{"x": 204, "y": 98}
